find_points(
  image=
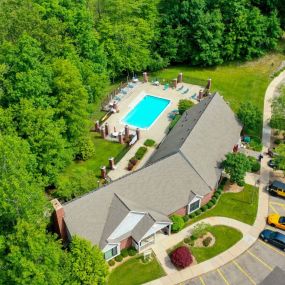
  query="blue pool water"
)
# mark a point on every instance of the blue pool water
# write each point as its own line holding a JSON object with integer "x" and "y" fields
{"x": 146, "y": 112}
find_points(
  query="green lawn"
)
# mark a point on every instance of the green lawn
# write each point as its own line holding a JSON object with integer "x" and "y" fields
{"x": 134, "y": 272}
{"x": 225, "y": 237}
{"x": 82, "y": 176}
{"x": 240, "y": 206}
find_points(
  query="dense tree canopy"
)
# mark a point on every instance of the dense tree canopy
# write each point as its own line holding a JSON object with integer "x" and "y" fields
{"x": 56, "y": 58}
{"x": 278, "y": 111}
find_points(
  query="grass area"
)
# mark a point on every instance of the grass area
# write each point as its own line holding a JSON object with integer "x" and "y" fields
{"x": 85, "y": 174}
{"x": 225, "y": 237}
{"x": 134, "y": 272}
{"x": 240, "y": 206}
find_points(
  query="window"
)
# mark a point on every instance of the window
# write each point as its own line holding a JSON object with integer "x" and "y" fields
{"x": 110, "y": 253}
{"x": 194, "y": 205}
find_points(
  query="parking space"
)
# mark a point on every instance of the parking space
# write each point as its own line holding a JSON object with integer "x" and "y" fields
{"x": 254, "y": 265}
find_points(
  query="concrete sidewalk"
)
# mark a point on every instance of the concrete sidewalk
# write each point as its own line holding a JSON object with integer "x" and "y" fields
{"x": 250, "y": 233}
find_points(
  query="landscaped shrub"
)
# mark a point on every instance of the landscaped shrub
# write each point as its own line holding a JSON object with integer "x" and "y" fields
{"x": 219, "y": 191}
{"x": 140, "y": 152}
{"x": 111, "y": 262}
{"x": 149, "y": 142}
{"x": 198, "y": 212}
{"x": 181, "y": 257}
{"x": 255, "y": 164}
{"x": 187, "y": 240}
{"x": 199, "y": 230}
{"x": 216, "y": 195}
{"x": 133, "y": 161}
{"x": 186, "y": 218}
{"x": 277, "y": 141}
{"x": 255, "y": 144}
{"x": 192, "y": 215}
{"x": 213, "y": 200}
{"x": 178, "y": 223}
{"x": 204, "y": 208}
{"x": 124, "y": 252}
{"x": 210, "y": 204}
{"x": 118, "y": 258}
{"x": 130, "y": 166}
{"x": 132, "y": 251}
{"x": 207, "y": 241}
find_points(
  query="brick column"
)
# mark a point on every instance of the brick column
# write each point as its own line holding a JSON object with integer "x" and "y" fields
{"x": 174, "y": 82}
{"x": 102, "y": 131}
{"x": 209, "y": 84}
{"x": 58, "y": 216}
{"x": 106, "y": 129}
{"x": 115, "y": 106}
{"x": 103, "y": 172}
{"x": 111, "y": 163}
{"x": 127, "y": 132}
{"x": 97, "y": 126}
{"x": 145, "y": 77}
{"x": 120, "y": 138}
{"x": 138, "y": 133}
{"x": 200, "y": 96}
{"x": 180, "y": 77}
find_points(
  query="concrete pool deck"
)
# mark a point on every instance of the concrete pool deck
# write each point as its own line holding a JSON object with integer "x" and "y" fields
{"x": 157, "y": 131}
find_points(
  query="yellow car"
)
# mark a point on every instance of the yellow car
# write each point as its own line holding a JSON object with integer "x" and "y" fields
{"x": 277, "y": 221}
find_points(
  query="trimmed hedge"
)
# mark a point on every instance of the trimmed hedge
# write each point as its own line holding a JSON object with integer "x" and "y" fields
{"x": 192, "y": 215}
{"x": 132, "y": 251}
{"x": 186, "y": 218}
{"x": 140, "y": 152}
{"x": 210, "y": 204}
{"x": 119, "y": 258}
{"x": 149, "y": 142}
{"x": 204, "y": 208}
{"x": 178, "y": 223}
{"x": 181, "y": 257}
{"x": 207, "y": 241}
{"x": 124, "y": 252}
{"x": 111, "y": 262}
{"x": 213, "y": 200}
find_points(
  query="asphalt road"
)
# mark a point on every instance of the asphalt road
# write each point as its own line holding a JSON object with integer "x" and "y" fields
{"x": 254, "y": 266}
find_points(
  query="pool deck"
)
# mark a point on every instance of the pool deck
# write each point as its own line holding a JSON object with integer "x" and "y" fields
{"x": 157, "y": 131}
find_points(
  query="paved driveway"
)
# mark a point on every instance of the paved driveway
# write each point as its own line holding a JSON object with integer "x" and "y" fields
{"x": 253, "y": 266}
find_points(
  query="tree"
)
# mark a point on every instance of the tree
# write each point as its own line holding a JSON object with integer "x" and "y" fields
{"x": 280, "y": 158}
{"x": 278, "y": 111}
{"x": 236, "y": 165}
{"x": 183, "y": 105}
{"x": 250, "y": 117}
{"x": 87, "y": 264}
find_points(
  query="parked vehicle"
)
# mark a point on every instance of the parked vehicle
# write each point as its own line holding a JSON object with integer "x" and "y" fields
{"x": 275, "y": 238}
{"x": 271, "y": 163}
{"x": 277, "y": 188}
{"x": 277, "y": 221}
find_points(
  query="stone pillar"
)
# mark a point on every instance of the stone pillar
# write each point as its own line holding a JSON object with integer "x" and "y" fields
{"x": 102, "y": 131}
{"x": 138, "y": 133}
{"x": 127, "y": 132}
{"x": 111, "y": 163}
{"x": 97, "y": 126}
{"x": 180, "y": 77}
{"x": 209, "y": 84}
{"x": 145, "y": 77}
{"x": 174, "y": 82}
{"x": 120, "y": 137}
{"x": 103, "y": 172}
{"x": 106, "y": 129}
{"x": 200, "y": 96}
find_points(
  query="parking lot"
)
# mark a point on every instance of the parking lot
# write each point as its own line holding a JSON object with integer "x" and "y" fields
{"x": 253, "y": 266}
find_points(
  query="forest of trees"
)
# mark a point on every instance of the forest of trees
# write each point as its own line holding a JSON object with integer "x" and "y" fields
{"x": 58, "y": 56}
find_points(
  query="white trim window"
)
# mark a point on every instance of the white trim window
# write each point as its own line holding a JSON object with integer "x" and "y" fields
{"x": 109, "y": 254}
{"x": 194, "y": 205}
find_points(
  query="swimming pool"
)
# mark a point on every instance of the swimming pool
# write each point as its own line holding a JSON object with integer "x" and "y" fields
{"x": 144, "y": 114}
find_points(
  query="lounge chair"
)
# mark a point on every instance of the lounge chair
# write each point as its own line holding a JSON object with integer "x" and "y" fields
{"x": 186, "y": 91}
{"x": 180, "y": 88}
{"x": 130, "y": 85}
{"x": 166, "y": 86}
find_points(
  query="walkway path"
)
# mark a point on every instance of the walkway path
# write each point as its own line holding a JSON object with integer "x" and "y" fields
{"x": 250, "y": 233}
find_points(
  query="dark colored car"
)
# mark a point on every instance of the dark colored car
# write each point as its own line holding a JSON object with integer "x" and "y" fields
{"x": 272, "y": 164}
{"x": 277, "y": 188}
{"x": 275, "y": 238}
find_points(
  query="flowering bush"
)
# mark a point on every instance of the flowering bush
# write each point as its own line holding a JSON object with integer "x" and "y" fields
{"x": 181, "y": 257}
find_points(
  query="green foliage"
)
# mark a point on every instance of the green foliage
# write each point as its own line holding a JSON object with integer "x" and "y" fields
{"x": 199, "y": 230}
{"x": 236, "y": 165}
{"x": 192, "y": 215}
{"x": 210, "y": 204}
{"x": 86, "y": 148}
{"x": 255, "y": 164}
{"x": 255, "y": 144}
{"x": 124, "y": 252}
{"x": 204, "y": 208}
{"x": 178, "y": 223}
{"x": 149, "y": 142}
{"x": 87, "y": 264}
{"x": 140, "y": 152}
{"x": 213, "y": 200}
{"x": 250, "y": 117}
{"x": 278, "y": 111}
{"x": 183, "y": 105}
{"x": 119, "y": 258}
{"x": 280, "y": 158}
{"x": 206, "y": 242}
{"x": 198, "y": 212}
{"x": 186, "y": 218}
{"x": 111, "y": 262}
{"x": 174, "y": 122}
{"x": 132, "y": 251}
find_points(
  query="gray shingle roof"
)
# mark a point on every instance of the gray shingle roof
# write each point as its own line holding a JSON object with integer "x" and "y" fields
{"x": 185, "y": 164}
{"x": 142, "y": 227}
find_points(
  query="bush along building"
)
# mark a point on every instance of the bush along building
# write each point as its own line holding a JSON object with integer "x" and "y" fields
{"x": 180, "y": 177}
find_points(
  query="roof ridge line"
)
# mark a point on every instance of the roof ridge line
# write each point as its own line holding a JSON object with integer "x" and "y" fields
{"x": 190, "y": 164}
